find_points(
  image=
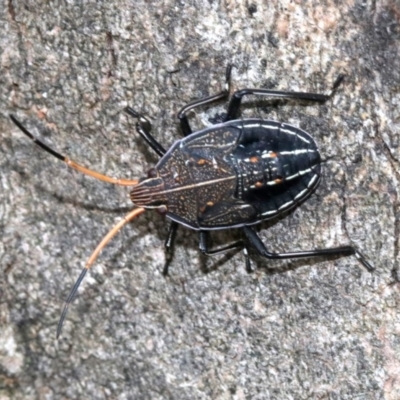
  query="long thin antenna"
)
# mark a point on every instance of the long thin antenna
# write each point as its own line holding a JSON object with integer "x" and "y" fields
{"x": 128, "y": 218}
{"x": 73, "y": 164}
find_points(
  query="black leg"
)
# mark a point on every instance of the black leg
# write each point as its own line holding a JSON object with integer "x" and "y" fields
{"x": 344, "y": 251}
{"x": 169, "y": 245}
{"x": 143, "y": 128}
{"x": 239, "y": 244}
{"x": 237, "y": 97}
{"x": 207, "y": 100}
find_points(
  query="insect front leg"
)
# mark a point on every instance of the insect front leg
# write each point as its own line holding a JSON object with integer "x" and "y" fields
{"x": 239, "y": 244}
{"x": 143, "y": 128}
{"x": 254, "y": 240}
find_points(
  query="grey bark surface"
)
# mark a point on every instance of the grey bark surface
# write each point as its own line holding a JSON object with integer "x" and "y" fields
{"x": 310, "y": 329}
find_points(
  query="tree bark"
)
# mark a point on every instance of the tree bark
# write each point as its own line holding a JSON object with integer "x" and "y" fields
{"x": 315, "y": 328}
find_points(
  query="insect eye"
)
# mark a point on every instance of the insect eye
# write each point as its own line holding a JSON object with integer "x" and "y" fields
{"x": 152, "y": 173}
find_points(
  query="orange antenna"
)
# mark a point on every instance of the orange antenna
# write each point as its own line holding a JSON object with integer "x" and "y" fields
{"x": 128, "y": 218}
{"x": 73, "y": 164}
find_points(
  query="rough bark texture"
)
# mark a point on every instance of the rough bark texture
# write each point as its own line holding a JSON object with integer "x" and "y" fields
{"x": 320, "y": 329}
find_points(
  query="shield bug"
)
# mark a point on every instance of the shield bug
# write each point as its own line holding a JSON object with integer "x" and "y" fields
{"x": 234, "y": 174}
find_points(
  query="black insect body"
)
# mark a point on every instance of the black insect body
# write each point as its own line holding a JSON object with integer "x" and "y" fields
{"x": 234, "y": 174}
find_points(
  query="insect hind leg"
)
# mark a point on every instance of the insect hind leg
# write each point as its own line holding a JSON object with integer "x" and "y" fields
{"x": 259, "y": 246}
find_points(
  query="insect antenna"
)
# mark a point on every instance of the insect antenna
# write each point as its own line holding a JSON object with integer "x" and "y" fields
{"x": 73, "y": 164}
{"x": 128, "y": 218}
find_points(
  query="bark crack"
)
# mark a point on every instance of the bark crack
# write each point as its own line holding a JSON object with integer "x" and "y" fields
{"x": 11, "y": 10}
{"x": 394, "y": 163}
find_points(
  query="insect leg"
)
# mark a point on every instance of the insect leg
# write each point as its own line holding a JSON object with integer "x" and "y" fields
{"x": 169, "y": 245}
{"x": 237, "y": 97}
{"x": 239, "y": 244}
{"x": 73, "y": 164}
{"x": 143, "y": 128}
{"x": 128, "y": 218}
{"x": 201, "y": 102}
{"x": 344, "y": 251}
